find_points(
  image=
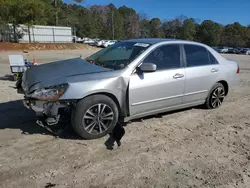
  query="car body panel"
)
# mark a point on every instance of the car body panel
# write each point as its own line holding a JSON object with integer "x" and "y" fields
{"x": 108, "y": 43}
{"x": 151, "y": 91}
{"x": 245, "y": 51}
{"x": 59, "y": 70}
{"x": 82, "y": 85}
{"x": 199, "y": 80}
{"x": 222, "y": 49}
{"x": 163, "y": 110}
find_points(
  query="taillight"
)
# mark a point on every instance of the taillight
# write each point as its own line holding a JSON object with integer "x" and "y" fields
{"x": 238, "y": 70}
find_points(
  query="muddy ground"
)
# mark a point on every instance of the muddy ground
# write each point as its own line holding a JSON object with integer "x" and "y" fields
{"x": 188, "y": 148}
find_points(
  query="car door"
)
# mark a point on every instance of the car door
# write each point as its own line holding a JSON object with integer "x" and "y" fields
{"x": 201, "y": 70}
{"x": 152, "y": 91}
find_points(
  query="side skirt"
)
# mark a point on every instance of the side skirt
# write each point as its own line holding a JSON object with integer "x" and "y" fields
{"x": 168, "y": 109}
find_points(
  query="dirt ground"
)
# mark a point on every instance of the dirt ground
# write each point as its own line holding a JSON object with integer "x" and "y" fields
{"x": 42, "y": 56}
{"x": 6, "y": 46}
{"x": 192, "y": 148}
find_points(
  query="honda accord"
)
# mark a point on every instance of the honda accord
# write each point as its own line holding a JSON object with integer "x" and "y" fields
{"x": 128, "y": 80}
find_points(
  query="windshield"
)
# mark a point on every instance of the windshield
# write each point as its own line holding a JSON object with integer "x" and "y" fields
{"x": 119, "y": 55}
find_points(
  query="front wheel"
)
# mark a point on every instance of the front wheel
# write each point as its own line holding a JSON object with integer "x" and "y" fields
{"x": 215, "y": 97}
{"x": 95, "y": 116}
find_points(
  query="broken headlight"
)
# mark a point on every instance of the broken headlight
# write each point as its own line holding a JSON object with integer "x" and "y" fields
{"x": 49, "y": 94}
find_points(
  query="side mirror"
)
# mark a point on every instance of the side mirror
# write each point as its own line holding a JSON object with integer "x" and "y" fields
{"x": 148, "y": 67}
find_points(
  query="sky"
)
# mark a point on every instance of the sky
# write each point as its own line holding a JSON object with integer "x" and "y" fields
{"x": 221, "y": 11}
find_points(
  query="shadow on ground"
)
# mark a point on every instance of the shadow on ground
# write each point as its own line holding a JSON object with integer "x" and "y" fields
{"x": 7, "y": 77}
{"x": 14, "y": 115}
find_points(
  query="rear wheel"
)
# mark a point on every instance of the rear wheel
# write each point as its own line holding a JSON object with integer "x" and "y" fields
{"x": 215, "y": 97}
{"x": 95, "y": 116}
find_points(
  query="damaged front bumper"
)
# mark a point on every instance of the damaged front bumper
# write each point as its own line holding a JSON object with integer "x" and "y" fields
{"x": 46, "y": 109}
{"x": 37, "y": 106}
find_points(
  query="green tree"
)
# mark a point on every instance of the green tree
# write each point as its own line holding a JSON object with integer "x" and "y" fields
{"x": 248, "y": 36}
{"x": 114, "y": 23}
{"x": 171, "y": 28}
{"x": 24, "y": 12}
{"x": 234, "y": 35}
{"x": 144, "y": 28}
{"x": 155, "y": 28}
{"x": 58, "y": 4}
{"x": 131, "y": 22}
{"x": 209, "y": 33}
{"x": 118, "y": 22}
{"x": 27, "y": 12}
{"x": 86, "y": 25}
{"x": 188, "y": 30}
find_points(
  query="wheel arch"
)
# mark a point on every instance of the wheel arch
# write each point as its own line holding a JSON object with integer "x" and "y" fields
{"x": 225, "y": 84}
{"x": 111, "y": 96}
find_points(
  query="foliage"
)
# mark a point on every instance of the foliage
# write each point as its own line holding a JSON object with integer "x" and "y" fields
{"x": 188, "y": 30}
{"x": 155, "y": 28}
{"x": 234, "y": 35}
{"x": 131, "y": 22}
{"x": 109, "y": 22}
{"x": 24, "y": 12}
{"x": 171, "y": 28}
{"x": 209, "y": 33}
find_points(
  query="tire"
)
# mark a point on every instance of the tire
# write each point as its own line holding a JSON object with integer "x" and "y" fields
{"x": 86, "y": 121}
{"x": 215, "y": 97}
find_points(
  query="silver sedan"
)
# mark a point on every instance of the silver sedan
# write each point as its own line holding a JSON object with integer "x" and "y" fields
{"x": 128, "y": 80}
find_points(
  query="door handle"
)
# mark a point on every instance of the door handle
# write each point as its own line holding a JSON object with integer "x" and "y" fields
{"x": 213, "y": 70}
{"x": 178, "y": 76}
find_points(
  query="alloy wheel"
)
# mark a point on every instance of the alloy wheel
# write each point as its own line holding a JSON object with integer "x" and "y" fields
{"x": 98, "y": 118}
{"x": 217, "y": 97}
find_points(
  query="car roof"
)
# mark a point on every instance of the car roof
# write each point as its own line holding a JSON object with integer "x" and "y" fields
{"x": 159, "y": 40}
{"x": 151, "y": 40}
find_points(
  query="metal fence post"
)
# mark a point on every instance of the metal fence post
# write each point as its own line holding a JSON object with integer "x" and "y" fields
{"x": 29, "y": 34}
{"x": 9, "y": 33}
{"x": 33, "y": 34}
{"x": 53, "y": 34}
{"x": 75, "y": 33}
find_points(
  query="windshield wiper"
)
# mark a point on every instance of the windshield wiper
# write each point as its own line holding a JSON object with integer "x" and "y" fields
{"x": 92, "y": 61}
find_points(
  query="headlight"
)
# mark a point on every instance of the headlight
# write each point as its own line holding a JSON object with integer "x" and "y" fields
{"x": 49, "y": 94}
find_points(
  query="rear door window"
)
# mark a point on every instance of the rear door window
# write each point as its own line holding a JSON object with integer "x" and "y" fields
{"x": 196, "y": 55}
{"x": 212, "y": 59}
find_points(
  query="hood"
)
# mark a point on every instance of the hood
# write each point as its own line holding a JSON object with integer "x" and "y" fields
{"x": 57, "y": 70}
